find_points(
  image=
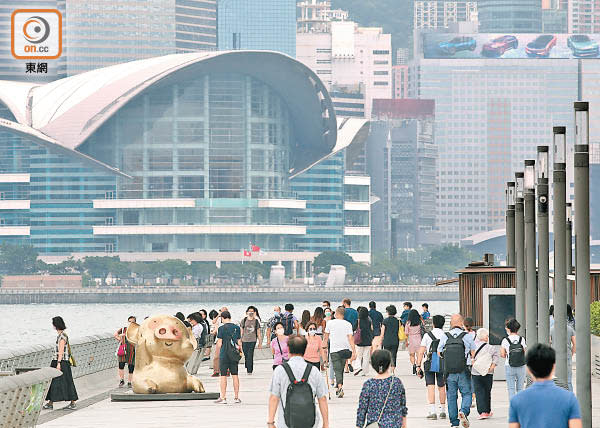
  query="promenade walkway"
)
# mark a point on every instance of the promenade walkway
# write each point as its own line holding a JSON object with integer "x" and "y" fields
{"x": 252, "y": 413}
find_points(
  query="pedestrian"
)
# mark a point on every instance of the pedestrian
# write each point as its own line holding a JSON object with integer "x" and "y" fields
{"x": 214, "y": 325}
{"x": 206, "y": 338}
{"x": 229, "y": 338}
{"x": 181, "y": 317}
{"x": 570, "y": 317}
{"x": 382, "y": 399}
{"x": 290, "y": 387}
{"x": 289, "y": 320}
{"x": 484, "y": 363}
{"x": 341, "y": 346}
{"x": 389, "y": 333}
{"x": 350, "y": 314}
{"x": 407, "y": 306}
{"x": 457, "y": 349}
{"x": 512, "y": 348}
{"x": 433, "y": 369}
{"x": 543, "y": 404}
{"x": 425, "y": 315}
{"x": 413, "y": 330}
{"x": 125, "y": 354}
{"x": 62, "y": 388}
{"x": 469, "y": 327}
{"x": 364, "y": 333}
{"x": 326, "y": 304}
{"x": 319, "y": 319}
{"x": 279, "y": 346}
{"x": 570, "y": 351}
{"x": 195, "y": 320}
{"x": 315, "y": 350}
{"x": 251, "y": 334}
{"x": 376, "y": 318}
{"x": 272, "y": 321}
{"x": 304, "y": 320}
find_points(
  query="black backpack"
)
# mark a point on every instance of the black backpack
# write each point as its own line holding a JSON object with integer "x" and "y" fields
{"x": 299, "y": 410}
{"x": 288, "y": 324}
{"x": 435, "y": 342}
{"x": 455, "y": 359}
{"x": 516, "y": 353}
{"x": 202, "y": 339}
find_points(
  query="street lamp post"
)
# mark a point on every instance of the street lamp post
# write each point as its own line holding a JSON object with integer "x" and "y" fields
{"x": 520, "y": 250}
{"x": 560, "y": 279}
{"x": 569, "y": 239}
{"x": 510, "y": 223}
{"x": 582, "y": 262}
{"x": 543, "y": 245}
{"x": 530, "y": 259}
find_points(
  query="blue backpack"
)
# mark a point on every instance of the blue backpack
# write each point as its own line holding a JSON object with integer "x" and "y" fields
{"x": 433, "y": 363}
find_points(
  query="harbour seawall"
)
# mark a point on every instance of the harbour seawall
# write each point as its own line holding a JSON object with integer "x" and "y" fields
{"x": 229, "y": 294}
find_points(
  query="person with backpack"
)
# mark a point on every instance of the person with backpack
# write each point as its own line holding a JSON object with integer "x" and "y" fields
{"x": 382, "y": 401}
{"x": 294, "y": 387}
{"x": 433, "y": 368}
{"x": 457, "y": 348}
{"x": 512, "y": 348}
{"x": 484, "y": 363}
{"x": 229, "y": 345}
{"x": 289, "y": 320}
{"x": 251, "y": 334}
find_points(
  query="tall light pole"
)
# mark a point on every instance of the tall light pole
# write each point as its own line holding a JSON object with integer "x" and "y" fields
{"x": 582, "y": 262}
{"x": 543, "y": 245}
{"x": 510, "y": 223}
{"x": 560, "y": 261}
{"x": 530, "y": 259}
{"x": 520, "y": 250}
{"x": 569, "y": 239}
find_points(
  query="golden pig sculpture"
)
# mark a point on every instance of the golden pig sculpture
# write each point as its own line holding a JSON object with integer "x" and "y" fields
{"x": 163, "y": 345}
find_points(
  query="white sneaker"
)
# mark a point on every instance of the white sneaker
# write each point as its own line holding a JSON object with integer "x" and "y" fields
{"x": 464, "y": 421}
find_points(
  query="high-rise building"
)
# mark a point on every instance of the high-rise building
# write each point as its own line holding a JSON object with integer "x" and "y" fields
{"x": 443, "y": 13}
{"x": 257, "y": 25}
{"x": 401, "y": 160}
{"x": 400, "y": 80}
{"x": 583, "y": 16}
{"x": 555, "y": 16}
{"x": 509, "y": 16}
{"x": 317, "y": 15}
{"x": 195, "y": 25}
{"x": 348, "y": 55}
{"x": 402, "y": 56}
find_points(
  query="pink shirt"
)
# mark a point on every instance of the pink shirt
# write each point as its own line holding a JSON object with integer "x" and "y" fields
{"x": 277, "y": 354}
{"x": 313, "y": 348}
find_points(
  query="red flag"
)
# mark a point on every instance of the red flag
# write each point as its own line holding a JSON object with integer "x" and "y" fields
{"x": 255, "y": 248}
{"x": 247, "y": 253}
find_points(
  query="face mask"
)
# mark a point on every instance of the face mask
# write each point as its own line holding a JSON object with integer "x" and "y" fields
{"x": 312, "y": 332}
{"x": 276, "y": 314}
{"x": 327, "y": 314}
{"x": 280, "y": 331}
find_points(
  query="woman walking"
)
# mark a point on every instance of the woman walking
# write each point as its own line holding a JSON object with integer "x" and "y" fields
{"x": 363, "y": 350}
{"x": 315, "y": 351}
{"x": 389, "y": 333}
{"x": 125, "y": 354}
{"x": 62, "y": 388}
{"x": 413, "y": 332}
{"x": 486, "y": 360}
{"x": 382, "y": 399}
{"x": 251, "y": 334}
{"x": 304, "y": 320}
{"x": 279, "y": 346}
{"x": 319, "y": 319}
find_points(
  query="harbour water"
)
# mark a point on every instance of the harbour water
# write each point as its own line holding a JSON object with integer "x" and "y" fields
{"x": 25, "y": 325}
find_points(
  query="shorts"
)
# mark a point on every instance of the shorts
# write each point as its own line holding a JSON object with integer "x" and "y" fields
{"x": 130, "y": 367}
{"x": 430, "y": 378}
{"x": 225, "y": 364}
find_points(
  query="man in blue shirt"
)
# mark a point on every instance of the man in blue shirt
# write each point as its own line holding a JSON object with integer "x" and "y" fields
{"x": 425, "y": 315}
{"x": 459, "y": 381}
{"x": 350, "y": 314}
{"x": 376, "y": 319}
{"x": 404, "y": 316}
{"x": 543, "y": 404}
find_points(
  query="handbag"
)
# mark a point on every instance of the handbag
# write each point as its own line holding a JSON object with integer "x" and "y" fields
{"x": 71, "y": 358}
{"x": 401, "y": 333}
{"x": 283, "y": 360}
{"x": 122, "y": 346}
{"x": 482, "y": 364}
{"x": 376, "y": 424}
{"x": 357, "y": 335}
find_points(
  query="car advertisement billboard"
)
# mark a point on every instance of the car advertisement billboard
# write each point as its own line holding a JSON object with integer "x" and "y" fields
{"x": 480, "y": 46}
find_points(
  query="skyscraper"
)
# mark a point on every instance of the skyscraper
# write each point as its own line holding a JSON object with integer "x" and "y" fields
{"x": 195, "y": 25}
{"x": 584, "y": 16}
{"x": 506, "y": 16}
{"x": 257, "y": 25}
{"x": 443, "y": 13}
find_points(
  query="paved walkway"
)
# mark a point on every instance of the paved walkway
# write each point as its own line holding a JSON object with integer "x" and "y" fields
{"x": 252, "y": 413}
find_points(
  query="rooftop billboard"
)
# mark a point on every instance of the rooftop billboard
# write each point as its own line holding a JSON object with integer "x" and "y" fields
{"x": 480, "y": 46}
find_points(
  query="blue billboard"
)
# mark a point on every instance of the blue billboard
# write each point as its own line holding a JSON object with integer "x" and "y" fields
{"x": 480, "y": 46}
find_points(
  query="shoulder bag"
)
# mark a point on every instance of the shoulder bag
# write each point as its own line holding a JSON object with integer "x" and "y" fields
{"x": 376, "y": 424}
{"x": 71, "y": 358}
{"x": 122, "y": 345}
{"x": 401, "y": 332}
{"x": 482, "y": 361}
{"x": 283, "y": 360}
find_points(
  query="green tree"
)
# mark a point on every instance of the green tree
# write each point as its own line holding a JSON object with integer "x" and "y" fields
{"x": 18, "y": 259}
{"x": 595, "y": 318}
{"x": 99, "y": 267}
{"x": 175, "y": 268}
{"x": 450, "y": 255}
{"x": 323, "y": 261}
{"x": 203, "y": 271}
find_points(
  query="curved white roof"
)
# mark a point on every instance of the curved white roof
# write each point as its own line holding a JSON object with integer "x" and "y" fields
{"x": 483, "y": 236}
{"x": 15, "y": 96}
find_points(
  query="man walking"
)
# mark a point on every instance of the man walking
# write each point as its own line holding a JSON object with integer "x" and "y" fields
{"x": 433, "y": 370}
{"x": 298, "y": 406}
{"x": 350, "y": 314}
{"x": 272, "y": 321}
{"x": 289, "y": 320}
{"x": 543, "y": 404}
{"x": 339, "y": 333}
{"x": 457, "y": 348}
{"x": 228, "y": 335}
{"x": 376, "y": 319}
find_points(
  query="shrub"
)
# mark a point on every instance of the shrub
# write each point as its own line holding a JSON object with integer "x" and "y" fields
{"x": 595, "y": 318}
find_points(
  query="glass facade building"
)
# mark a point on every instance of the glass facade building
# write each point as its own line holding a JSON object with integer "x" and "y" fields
{"x": 510, "y": 16}
{"x": 257, "y": 25}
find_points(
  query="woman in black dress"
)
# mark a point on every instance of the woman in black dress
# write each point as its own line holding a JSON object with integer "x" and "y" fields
{"x": 62, "y": 388}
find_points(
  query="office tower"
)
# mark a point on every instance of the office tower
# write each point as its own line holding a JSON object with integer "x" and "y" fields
{"x": 257, "y": 25}
{"x": 400, "y": 80}
{"x": 401, "y": 160}
{"x": 584, "y": 16}
{"x": 443, "y": 13}
{"x": 195, "y": 25}
{"x": 402, "y": 55}
{"x": 509, "y": 16}
{"x": 317, "y": 15}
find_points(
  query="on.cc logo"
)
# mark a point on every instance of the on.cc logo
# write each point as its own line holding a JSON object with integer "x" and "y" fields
{"x": 36, "y": 29}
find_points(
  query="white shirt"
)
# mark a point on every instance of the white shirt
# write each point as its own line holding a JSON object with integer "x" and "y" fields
{"x": 197, "y": 330}
{"x": 514, "y": 338}
{"x": 338, "y": 334}
{"x": 427, "y": 340}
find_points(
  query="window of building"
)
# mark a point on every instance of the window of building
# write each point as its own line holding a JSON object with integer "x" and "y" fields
{"x": 380, "y": 73}
{"x": 380, "y": 83}
{"x": 160, "y": 187}
{"x": 160, "y": 160}
{"x": 190, "y": 159}
{"x": 258, "y": 160}
{"x": 380, "y": 52}
{"x": 380, "y": 62}
{"x": 191, "y": 186}
{"x": 131, "y": 217}
{"x": 160, "y": 247}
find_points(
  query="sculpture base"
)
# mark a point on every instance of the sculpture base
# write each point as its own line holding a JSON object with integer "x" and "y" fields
{"x": 130, "y": 396}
